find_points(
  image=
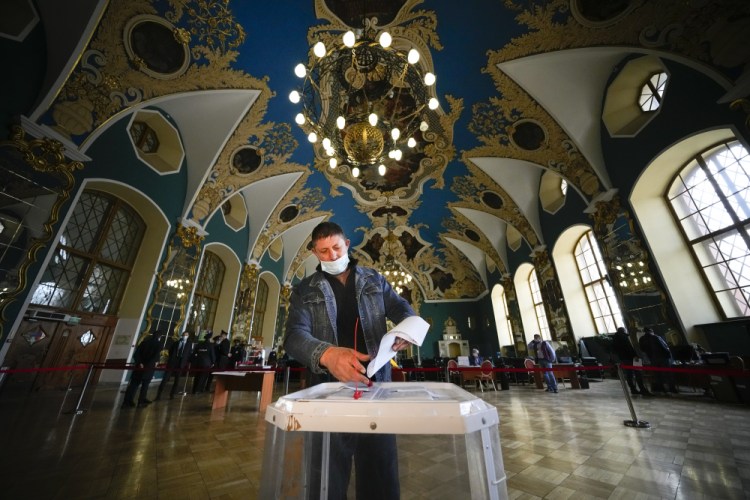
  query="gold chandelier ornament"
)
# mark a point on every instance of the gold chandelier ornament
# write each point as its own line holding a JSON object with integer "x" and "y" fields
{"x": 364, "y": 103}
{"x": 392, "y": 270}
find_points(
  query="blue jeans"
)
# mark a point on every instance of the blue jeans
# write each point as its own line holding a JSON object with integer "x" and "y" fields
{"x": 549, "y": 377}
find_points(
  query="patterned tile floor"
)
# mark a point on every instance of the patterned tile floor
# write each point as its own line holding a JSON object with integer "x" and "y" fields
{"x": 567, "y": 445}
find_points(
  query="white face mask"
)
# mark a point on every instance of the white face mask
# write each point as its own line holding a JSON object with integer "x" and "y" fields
{"x": 337, "y": 266}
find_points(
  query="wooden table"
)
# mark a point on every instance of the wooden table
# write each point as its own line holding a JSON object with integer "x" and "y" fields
{"x": 255, "y": 380}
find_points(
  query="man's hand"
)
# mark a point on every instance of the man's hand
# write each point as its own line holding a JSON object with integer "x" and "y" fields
{"x": 345, "y": 364}
{"x": 400, "y": 344}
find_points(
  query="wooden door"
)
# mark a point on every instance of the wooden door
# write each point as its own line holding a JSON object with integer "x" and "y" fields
{"x": 55, "y": 346}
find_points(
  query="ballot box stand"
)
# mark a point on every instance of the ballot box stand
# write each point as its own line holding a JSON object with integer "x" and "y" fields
{"x": 300, "y": 425}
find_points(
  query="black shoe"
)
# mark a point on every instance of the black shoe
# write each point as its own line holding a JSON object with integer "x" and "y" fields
{"x": 141, "y": 404}
{"x": 127, "y": 404}
{"x": 646, "y": 393}
{"x": 555, "y": 391}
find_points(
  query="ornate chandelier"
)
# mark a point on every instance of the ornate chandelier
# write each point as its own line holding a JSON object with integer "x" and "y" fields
{"x": 396, "y": 276}
{"x": 364, "y": 103}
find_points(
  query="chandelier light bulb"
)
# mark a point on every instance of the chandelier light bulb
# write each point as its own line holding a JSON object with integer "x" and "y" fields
{"x": 333, "y": 162}
{"x": 355, "y": 172}
{"x": 326, "y": 143}
{"x": 385, "y": 39}
{"x": 397, "y": 154}
{"x": 373, "y": 119}
{"x": 341, "y": 122}
{"x": 413, "y": 56}
{"x": 319, "y": 49}
{"x": 331, "y": 152}
{"x": 423, "y": 126}
{"x": 429, "y": 79}
{"x": 433, "y": 103}
{"x": 381, "y": 170}
{"x": 411, "y": 142}
{"x": 300, "y": 70}
{"x": 294, "y": 96}
{"x": 313, "y": 137}
{"x": 349, "y": 39}
{"x": 391, "y": 154}
{"x": 300, "y": 119}
{"x": 395, "y": 133}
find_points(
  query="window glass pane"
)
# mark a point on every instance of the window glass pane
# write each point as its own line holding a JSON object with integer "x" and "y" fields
{"x": 60, "y": 282}
{"x": 83, "y": 227}
{"x": 123, "y": 238}
{"x": 104, "y": 287}
{"x": 75, "y": 279}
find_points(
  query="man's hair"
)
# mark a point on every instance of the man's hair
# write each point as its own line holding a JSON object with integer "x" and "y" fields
{"x": 648, "y": 330}
{"x": 621, "y": 330}
{"x": 536, "y": 335}
{"x": 326, "y": 229}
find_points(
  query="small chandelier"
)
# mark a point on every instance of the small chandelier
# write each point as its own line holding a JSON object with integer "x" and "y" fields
{"x": 364, "y": 103}
{"x": 396, "y": 276}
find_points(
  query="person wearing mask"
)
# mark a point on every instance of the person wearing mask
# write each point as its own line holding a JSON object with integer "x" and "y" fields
{"x": 337, "y": 317}
{"x": 624, "y": 350}
{"x": 544, "y": 356}
{"x": 145, "y": 357}
{"x": 180, "y": 353}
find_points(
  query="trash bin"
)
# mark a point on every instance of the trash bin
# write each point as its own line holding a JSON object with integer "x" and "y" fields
{"x": 447, "y": 416}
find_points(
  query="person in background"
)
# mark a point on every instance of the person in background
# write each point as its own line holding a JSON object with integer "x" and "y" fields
{"x": 145, "y": 357}
{"x": 337, "y": 317}
{"x": 223, "y": 350}
{"x": 625, "y": 351}
{"x": 658, "y": 353}
{"x": 475, "y": 359}
{"x": 180, "y": 354}
{"x": 204, "y": 358}
{"x": 544, "y": 356}
{"x": 237, "y": 354}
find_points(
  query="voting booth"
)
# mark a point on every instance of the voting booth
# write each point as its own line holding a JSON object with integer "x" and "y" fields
{"x": 434, "y": 417}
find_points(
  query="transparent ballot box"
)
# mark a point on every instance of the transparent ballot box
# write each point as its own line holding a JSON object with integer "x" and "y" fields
{"x": 447, "y": 439}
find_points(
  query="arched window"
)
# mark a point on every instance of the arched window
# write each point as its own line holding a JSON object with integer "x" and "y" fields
{"x": 503, "y": 323}
{"x": 536, "y": 298}
{"x": 261, "y": 301}
{"x": 710, "y": 198}
{"x": 207, "y": 292}
{"x": 91, "y": 266}
{"x": 603, "y": 305}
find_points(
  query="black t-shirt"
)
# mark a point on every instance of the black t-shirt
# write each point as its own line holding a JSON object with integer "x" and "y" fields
{"x": 347, "y": 312}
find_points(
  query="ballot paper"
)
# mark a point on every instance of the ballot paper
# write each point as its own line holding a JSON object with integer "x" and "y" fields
{"x": 414, "y": 329}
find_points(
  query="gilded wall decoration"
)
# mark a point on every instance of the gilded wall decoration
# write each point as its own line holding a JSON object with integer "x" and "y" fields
{"x": 308, "y": 202}
{"x": 459, "y": 228}
{"x": 469, "y": 190}
{"x": 108, "y": 81}
{"x": 36, "y": 179}
{"x": 406, "y": 178}
{"x": 641, "y": 297}
{"x": 554, "y": 305}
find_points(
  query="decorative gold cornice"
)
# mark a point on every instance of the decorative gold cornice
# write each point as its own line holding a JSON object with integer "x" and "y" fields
{"x": 189, "y": 236}
{"x": 44, "y": 154}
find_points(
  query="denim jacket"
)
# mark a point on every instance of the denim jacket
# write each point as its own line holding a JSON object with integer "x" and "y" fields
{"x": 311, "y": 323}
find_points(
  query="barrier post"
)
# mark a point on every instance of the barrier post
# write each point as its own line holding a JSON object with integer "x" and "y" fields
{"x": 77, "y": 410}
{"x": 287, "y": 371}
{"x": 641, "y": 424}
